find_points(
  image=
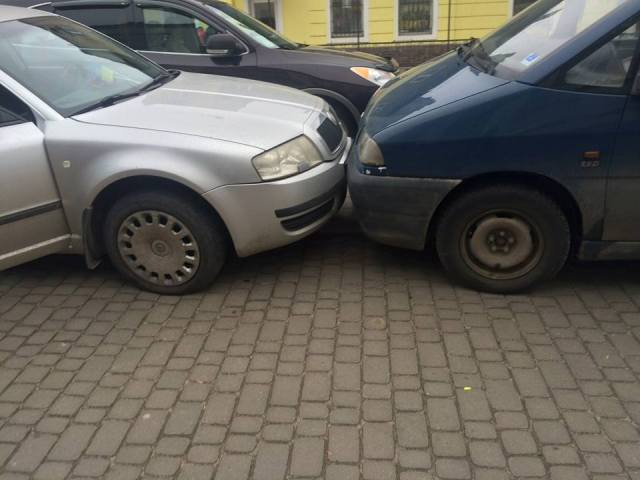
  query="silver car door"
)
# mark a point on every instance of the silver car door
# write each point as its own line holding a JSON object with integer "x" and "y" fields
{"x": 32, "y": 221}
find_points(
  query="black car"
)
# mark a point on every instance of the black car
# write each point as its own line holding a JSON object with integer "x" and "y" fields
{"x": 210, "y": 36}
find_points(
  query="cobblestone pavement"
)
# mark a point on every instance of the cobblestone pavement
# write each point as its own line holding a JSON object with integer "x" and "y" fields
{"x": 335, "y": 359}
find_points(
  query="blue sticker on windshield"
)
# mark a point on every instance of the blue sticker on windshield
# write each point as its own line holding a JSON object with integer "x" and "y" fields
{"x": 531, "y": 58}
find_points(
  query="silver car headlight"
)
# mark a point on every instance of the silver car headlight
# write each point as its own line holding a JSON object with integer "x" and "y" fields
{"x": 291, "y": 158}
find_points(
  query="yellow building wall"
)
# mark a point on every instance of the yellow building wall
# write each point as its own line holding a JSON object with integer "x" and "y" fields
{"x": 307, "y": 21}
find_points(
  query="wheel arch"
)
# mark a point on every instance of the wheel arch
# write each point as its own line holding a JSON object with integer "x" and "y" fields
{"x": 94, "y": 222}
{"x": 332, "y": 97}
{"x": 544, "y": 184}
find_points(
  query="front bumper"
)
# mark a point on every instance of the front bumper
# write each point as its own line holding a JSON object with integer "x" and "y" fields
{"x": 268, "y": 215}
{"x": 395, "y": 211}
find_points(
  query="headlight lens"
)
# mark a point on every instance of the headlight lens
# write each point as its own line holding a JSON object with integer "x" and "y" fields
{"x": 379, "y": 77}
{"x": 369, "y": 151}
{"x": 291, "y": 158}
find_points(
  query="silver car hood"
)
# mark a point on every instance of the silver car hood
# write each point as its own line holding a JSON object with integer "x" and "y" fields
{"x": 257, "y": 114}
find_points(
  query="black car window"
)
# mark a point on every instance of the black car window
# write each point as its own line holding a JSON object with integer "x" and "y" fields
{"x": 606, "y": 68}
{"x": 113, "y": 21}
{"x": 12, "y": 109}
{"x": 172, "y": 30}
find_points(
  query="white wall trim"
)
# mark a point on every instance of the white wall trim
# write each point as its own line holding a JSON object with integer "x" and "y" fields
{"x": 278, "y": 11}
{"x": 423, "y": 36}
{"x": 365, "y": 26}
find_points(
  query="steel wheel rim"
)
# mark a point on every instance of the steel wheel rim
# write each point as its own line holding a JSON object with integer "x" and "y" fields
{"x": 158, "y": 248}
{"x": 502, "y": 245}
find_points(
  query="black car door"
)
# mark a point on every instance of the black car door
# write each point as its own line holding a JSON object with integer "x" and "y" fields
{"x": 176, "y": 36}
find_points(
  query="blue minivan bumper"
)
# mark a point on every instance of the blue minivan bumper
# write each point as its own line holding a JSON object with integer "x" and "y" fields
{"x": 395, "y": 211}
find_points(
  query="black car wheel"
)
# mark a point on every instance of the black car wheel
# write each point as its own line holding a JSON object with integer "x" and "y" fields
{"x": 165, "y": 243}
{"x": 503, "y": 239}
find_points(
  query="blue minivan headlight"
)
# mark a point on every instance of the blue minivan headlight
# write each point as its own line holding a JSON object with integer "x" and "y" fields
{"x": 369, "y": 151}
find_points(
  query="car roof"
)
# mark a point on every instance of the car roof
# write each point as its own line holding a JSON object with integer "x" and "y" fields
{"x": 17, "y": 13}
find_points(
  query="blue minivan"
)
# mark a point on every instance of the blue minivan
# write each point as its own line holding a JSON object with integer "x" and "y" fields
{"x": 514, "y": 152}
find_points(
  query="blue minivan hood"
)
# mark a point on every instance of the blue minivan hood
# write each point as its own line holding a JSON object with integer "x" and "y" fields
{"x": 425, "y": 88}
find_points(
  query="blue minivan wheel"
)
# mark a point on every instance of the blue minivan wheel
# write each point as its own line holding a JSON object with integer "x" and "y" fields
{"x": 503, "y": 239}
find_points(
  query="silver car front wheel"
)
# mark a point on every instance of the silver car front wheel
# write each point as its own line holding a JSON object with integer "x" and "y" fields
{"x": 159, "y": 248}
{"x": 166, "y": 243}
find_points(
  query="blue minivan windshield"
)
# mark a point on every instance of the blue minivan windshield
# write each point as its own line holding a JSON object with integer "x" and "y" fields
{"x": 537, "y": 32}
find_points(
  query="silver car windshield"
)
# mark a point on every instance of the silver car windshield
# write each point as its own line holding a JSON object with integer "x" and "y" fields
{"x": 70, "y": 67}
{"x": 535, "y": 33}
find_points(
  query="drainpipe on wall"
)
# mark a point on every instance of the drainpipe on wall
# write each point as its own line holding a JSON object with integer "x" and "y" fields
{"x": 449, "y": 26}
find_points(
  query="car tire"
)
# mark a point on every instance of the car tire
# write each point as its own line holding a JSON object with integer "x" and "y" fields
{"x": 503, "y": 239}
{"x": 165, "y": 243}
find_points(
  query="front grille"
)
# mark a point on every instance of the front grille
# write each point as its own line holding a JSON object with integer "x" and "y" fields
{"x": 298, "y": 223}
{"x": 331, "y": 134}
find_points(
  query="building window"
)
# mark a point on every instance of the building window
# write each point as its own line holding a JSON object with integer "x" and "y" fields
{"x": 519, "y": 5}
{"x": 347, "y": 19}
{"x": 415, "y": 17}
{"x": 265, "y": 11}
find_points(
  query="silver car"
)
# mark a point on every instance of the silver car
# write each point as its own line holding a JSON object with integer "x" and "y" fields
{"x": 104, "y": 152}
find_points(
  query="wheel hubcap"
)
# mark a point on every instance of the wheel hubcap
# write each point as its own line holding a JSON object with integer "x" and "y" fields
{"x": 502, "y": 245}
{"x": 159, "y": 248}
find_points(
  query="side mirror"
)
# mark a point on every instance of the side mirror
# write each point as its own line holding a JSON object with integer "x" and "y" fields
{"x": 224, "y": 45}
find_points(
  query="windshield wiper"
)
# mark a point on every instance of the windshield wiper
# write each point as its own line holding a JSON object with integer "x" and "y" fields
{"x": 160, "y": 80}
{"x": 108, "y": 101}
{"x": 474, "y": 51}
{"x": 113, "y": 99}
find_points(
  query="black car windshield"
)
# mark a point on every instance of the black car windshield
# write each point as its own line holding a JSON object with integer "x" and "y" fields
{"x": 535, "y": 33}
{"x": 255, "y": 29}
{"x": 69, "y": 66}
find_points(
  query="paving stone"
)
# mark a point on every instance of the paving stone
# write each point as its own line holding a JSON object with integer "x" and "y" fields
{"x": 233, "y": 467}
{"x": 183, "y": 419}
{"x": 450, "y": 468}
{"x": 344, "y": 444}
{"x": 147, "y": 427}
{"x": 286, "y": 391}
{"x": 568, "y": 473}
{"x": 518, "y": 442}
{"x": 271, "y": 462}
{"x": 108, "y": 438}
{"x": 486, "y": 454}
{"x": 372, "y": 411}
{"x": 551, "y": 432}
{"x": 378, "y": 470}
{"x": 412, "y": 430}
{"x": 316, "y": 387}
{"x": 342, "y": 472}
{"x": 306, "y": 459}
{"x": 526, "y": 466}
{"x": 378, "y": 442}
{"x": 72, "y": 443}
{"x": 443, "y": 414}
{"x": 31, "y": 453}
